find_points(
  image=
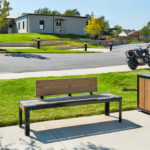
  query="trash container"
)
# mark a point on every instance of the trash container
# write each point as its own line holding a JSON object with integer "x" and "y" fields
{"x": 143, "y": 93}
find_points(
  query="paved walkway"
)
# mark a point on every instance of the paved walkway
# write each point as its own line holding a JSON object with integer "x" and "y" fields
{"x": 67, "y": 72}
{"x": 17, "y": 48}
{"x": 103, "y": 50}
{"x": 84, "y": 133}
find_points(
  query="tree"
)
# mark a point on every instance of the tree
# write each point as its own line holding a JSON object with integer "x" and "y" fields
{"x": 4, "y": 12}
{"x": 93, "y": 28}
{"x": 56, "y": 13}
{"x": 71, "y": 12}
{"x": 145, "y": 31}
{"x": 89, "y": 16}
{"x": 104, "y": 24}
{"x": 46, "y": 11}
{"x": 118, "y": 30}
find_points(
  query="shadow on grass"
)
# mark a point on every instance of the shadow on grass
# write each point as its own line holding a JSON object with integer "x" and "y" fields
{"x": 71, "y": 36}
{"x": 73, "y": 132}
{"x": 35, "y": 56}
{"x": 3, "y": 50}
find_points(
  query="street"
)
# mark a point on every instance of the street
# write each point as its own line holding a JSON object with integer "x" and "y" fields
{"x": 20, "y": 62}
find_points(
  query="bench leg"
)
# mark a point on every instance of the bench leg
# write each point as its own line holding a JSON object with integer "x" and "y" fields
{"x": 120, "y": 111}
{"x": 27, "y": 122}
{"x": 107, "y": 108}
{"x": 20, "y": 117}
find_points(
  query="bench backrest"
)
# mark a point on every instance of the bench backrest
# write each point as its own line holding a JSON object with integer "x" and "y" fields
{"x": 65, "y": 86}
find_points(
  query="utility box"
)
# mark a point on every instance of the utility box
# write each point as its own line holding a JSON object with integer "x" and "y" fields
{"x": 143, "y": 93}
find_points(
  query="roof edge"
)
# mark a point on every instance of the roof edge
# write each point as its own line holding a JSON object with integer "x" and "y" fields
{"x": 51, "y": 16}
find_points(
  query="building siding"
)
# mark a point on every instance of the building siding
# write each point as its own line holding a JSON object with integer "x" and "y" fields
{"x": 71, "y": 25}
{"x": 34, "y": 24}
{"x": 76, "y": 26}
{"x": 21, "y": 20}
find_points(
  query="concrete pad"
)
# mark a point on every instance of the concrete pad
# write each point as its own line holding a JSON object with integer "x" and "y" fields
{"x": 83, "y": 133}
{"x": 68, "y": 72}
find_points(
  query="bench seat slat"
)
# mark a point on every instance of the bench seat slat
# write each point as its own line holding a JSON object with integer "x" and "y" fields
{"x": 67, "y": 101}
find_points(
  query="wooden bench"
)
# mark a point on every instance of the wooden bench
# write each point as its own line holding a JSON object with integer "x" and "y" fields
{"x": 65, "y": 86}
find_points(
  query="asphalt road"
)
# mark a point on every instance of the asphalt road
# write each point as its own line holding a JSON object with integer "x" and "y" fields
{"x": 18, "y": 62}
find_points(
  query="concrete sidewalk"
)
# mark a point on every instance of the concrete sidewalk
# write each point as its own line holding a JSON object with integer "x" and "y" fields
{"x": 68, "y": 72}
{"x": 103, "y": 50}
{"x": 84, "y": 133}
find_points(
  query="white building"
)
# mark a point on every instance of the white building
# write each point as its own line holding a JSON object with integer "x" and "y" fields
{"x": 36, "y": 23}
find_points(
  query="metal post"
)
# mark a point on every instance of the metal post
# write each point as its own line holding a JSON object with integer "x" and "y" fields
{"x": 38, "y": 43}
{"x": 20, "y": 117}
{"x": 27, "y": 122}
{"x": 85, "y": 46}
{"x": 107, "y": 108}
{"x": 120, "y": 111}
{"x": 111, "y": 46}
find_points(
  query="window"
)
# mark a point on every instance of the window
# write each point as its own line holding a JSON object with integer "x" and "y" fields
{"x": 58, "y": 23}
{"x": 19, "y": 25}
{"x": 10, "y": 25}
{"x": 41, "y": 24}
{"x": 23, "y": 25}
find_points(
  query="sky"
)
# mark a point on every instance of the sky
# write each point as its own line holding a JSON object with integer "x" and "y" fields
{"x": 130, "y": 14}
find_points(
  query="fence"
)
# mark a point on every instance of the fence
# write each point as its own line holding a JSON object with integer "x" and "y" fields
{"x": 44, "y": 43}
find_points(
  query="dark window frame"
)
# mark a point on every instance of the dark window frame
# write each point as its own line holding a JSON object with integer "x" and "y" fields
{"x": 23, "y": 25}
{"x": 10, "y": 26}
{"x": 42, "y": 24}
{"x": 58, "y": 23}
{"x": 19, "y": 25}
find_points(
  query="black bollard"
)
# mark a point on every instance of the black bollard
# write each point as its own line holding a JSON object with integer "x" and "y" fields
{"x": 85, "y": 46}
{"x": 38, "y": 43}
{"x": 111, "y": 46}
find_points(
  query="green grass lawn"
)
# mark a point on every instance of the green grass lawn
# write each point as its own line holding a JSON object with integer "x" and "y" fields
{"x": 52, "y": 49}
{"x": 95, "y": 46}
{"x": 44, "y": 49}
{"x": 11, "y": 91}
{"x": 134, "y": 42}
{"x": 27, "y": 37}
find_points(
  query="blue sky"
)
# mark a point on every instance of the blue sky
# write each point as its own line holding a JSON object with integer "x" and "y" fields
{"x": 130, "y": 14}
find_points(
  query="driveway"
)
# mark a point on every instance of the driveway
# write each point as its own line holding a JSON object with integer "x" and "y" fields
{"x": 19, "y": 62}
{"x": 84, "y": 133}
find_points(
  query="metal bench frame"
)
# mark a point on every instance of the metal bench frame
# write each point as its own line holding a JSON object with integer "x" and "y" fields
{"x": 78, "y": 101}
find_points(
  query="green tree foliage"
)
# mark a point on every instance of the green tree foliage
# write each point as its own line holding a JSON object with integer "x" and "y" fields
{"x": 46, "y": 11}
{"x": 93, "y": 28}
{"x": 104, "y": 25}
{"x": 89, "y": 16}
{"x": 4, "y": 12}
{"x": 71, "y": 12}
{"x": 118, "y": 30}
{"x": 56, "y": 12}
{"x": 145, "y": 31}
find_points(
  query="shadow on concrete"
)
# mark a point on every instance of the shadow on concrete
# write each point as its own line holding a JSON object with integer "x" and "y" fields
{"x": 73, "y": 132}
{"x": 26, "y": 55}
{"x": 5, "y": 147}
{"x": 91, "y": 146}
